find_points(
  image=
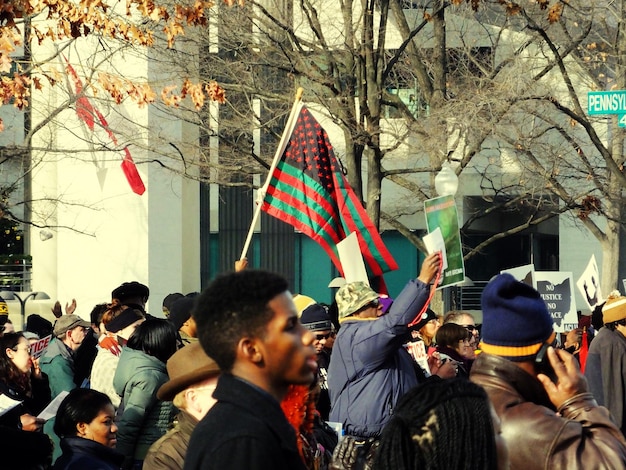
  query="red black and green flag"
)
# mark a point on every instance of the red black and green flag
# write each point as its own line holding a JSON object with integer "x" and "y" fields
{"x": 308, "y": 190}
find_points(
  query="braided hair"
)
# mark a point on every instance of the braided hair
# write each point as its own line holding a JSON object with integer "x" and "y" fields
{"x": 440, "y": 425}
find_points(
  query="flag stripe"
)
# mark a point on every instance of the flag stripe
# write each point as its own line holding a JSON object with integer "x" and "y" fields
{"x": 289, "y": 205}
{"x": 306, "y": 189}
{"x": 292, "y": 219}
{"x": 379, "y": 259}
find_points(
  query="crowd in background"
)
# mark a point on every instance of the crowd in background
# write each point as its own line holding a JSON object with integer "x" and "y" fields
{"x": 243, "y": 375}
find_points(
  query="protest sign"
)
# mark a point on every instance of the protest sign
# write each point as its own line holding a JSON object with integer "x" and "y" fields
{"x": 557, "y": 290}
{"x": 589, "y": 284}
{"x": 525, "y": 274}
{"x": 38, "y": 348}
{"x": 441, "y": 213}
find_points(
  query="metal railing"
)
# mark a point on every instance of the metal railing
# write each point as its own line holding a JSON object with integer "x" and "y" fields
{"x": 16, "y": 276}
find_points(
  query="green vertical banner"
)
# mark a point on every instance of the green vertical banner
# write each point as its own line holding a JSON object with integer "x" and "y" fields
{"x": 441, "y": 213}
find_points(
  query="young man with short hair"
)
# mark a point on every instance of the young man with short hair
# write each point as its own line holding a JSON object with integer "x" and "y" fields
{"x": 248, "y": 323}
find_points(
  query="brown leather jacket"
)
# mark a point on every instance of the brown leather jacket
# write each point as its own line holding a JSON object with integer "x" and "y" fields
{"x": 579, "y": 435}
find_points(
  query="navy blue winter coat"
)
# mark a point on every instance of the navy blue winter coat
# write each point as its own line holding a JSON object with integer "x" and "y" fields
{"x": 81, "y": 454}
{"x": 369, "y": 369}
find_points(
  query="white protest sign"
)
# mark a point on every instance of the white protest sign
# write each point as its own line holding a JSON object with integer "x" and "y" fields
{"x": 352, "y": 259}
{"x": 38, "y": 348}
{"x": 417, "y": 350}
{"x": 525, "y": 274}
{"x": 589, "y": 284}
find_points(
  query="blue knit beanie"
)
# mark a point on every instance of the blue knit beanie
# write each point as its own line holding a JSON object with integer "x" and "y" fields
{"x": 516, "y": 321}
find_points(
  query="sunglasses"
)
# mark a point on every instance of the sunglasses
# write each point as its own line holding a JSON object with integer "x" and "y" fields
{"x": 321, "y": 337}
{"x": 470, "y": 328}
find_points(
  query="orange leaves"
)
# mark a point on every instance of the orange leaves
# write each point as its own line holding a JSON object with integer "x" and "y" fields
{"x": 119, "y": 88}
{"x": 195, "y": 92}
{"x": 78, "y": 18}
{"x": 169, "y": 98}
{"x": 172, "y": 30}
{"x": 511, "y": 8}
{"x": 84, "y": 17}
{"x": 554, "y": 14}
{"x": 215, "y": 92}
{"x": 141, "y": 93}
{"x": 5, "y": 63}
{"x": 16, "y": 89}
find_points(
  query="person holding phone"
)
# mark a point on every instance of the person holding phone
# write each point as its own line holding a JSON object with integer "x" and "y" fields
{"x": 547, "y": 422}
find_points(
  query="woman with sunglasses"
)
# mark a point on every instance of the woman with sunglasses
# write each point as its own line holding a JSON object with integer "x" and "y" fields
{"x": 22, "y": 380}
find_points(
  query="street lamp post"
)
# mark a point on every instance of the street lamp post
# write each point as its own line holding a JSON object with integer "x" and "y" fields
{"x": 446, "y": 181}
{"x": 8, "y": 295}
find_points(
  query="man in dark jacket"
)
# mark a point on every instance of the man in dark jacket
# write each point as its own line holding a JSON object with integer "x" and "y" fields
{"x": 369, "y": 369}
{"x": 549, "y": 419}
{"x": 248, "y": 323}
{"x": 606, "y": 362}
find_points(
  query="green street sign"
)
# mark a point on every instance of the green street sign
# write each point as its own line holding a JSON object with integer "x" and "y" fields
{"x": 606, "y": 102}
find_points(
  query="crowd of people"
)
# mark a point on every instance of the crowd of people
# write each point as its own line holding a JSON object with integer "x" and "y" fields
{"x": 241, "y": 376}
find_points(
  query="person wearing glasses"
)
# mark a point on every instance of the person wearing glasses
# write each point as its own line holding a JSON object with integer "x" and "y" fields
{"x": 22, "y": 380}
{"x": 466, "y": 320}
{"x": 192, "y": 379}
{"x": 58, "y": 359}
{"x": 316, "y": 319}
{"x": 369, "y": 369}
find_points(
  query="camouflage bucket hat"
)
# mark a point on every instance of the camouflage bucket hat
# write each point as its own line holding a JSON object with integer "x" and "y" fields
{"x": 352, "y": 297}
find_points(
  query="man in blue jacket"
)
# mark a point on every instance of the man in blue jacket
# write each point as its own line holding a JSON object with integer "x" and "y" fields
{"x": 370, "y": 370}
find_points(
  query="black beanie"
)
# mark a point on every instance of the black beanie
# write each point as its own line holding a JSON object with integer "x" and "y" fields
{"x": 315, "y": 318}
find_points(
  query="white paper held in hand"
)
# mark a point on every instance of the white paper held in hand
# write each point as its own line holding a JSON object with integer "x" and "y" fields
{"x": 50, "y": 411}
{"x": 7, "y": 404}
{"x": 434, "y": 242}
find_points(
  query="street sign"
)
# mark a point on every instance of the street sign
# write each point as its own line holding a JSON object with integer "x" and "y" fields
{"x": 621, "y": 120}
{"x": 606, "y": 102}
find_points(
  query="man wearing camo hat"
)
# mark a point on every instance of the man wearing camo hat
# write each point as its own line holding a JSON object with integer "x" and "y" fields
{"x": 369, "y": 369}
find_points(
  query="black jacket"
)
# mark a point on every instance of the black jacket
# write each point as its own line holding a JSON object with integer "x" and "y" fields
{"x": 24, "y": 450}
{"x": 33, "y": 404}
{"x": 82, "y": 454}
{"x": 245, "y": 430}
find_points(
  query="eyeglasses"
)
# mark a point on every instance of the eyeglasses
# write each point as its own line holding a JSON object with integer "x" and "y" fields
{"x": 320, "y": 337}
{"x": 471, "y": 328}
{"x": 375, "y": 303}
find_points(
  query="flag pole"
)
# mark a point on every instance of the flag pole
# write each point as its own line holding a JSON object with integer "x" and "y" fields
{"x": 291, "y": 121}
